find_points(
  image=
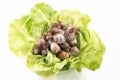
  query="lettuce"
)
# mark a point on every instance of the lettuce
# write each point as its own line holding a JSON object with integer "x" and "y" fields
{"x": 25, "y": 32}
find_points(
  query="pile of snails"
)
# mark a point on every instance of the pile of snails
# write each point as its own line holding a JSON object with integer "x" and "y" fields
{"x": 59, "y": 40}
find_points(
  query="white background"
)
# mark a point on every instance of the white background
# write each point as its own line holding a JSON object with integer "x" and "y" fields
{"x": 105, "y": 15}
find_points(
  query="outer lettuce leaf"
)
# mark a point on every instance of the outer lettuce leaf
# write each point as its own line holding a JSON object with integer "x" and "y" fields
{"x": 41, "y": 65}
{"x": 74, "y": 17}
{"x": 24, "y": 33}
{"x": 46, "y": 9}
{"x": 91, "y": 48}
{"x": 20, "y": 42}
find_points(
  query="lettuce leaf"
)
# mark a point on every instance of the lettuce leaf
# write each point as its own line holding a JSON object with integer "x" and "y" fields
{"x": 72, "y": 17}
{"x": 91, "y": 48}
{"x": 25, "y": 32}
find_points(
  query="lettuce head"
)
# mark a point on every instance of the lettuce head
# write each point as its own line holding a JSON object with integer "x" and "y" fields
{"x": 25, "y": 32}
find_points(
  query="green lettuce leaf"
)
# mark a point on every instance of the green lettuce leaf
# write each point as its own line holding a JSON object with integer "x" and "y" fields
{"x": 91, "y": 49}
{"x": 25, "y": 32}
{"x": 72, "y": 17}
{"x": 42, "y": 65}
